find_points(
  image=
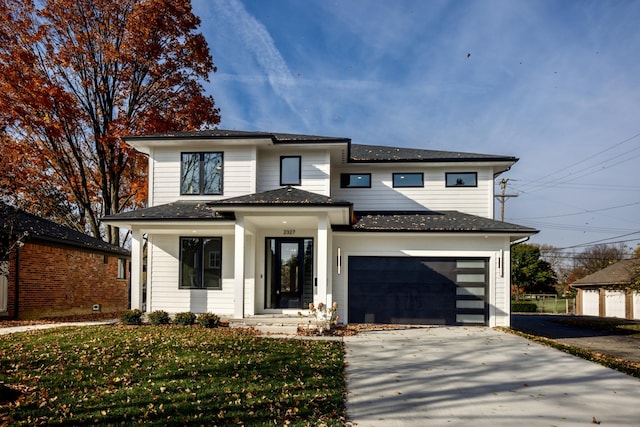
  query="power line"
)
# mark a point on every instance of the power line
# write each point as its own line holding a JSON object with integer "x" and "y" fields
{"x": 580, "y": 213}
{"x": 595, "y": 242}
{"x": 587, "y": 158}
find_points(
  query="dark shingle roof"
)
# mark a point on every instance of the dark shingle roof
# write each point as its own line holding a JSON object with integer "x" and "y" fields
{"x": 180, "y": 210}
{"x": 282, "y": 196}
{"x": 277, "y": 138}
{"x": 45, "y": 230}
{"x": 376, "y": 153}
{"x": 431, "y": 221}
{"x": 208, "y": 210}
{"x": 619, "y": 273}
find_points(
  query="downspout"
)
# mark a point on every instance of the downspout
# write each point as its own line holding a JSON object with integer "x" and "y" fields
{"x": 16, "y": 304}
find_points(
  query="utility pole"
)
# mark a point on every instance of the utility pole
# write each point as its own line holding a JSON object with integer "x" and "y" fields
{"x": 502, "y": 197}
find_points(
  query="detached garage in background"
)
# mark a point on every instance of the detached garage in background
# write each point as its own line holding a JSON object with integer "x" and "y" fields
{"x": 608, "y": 293}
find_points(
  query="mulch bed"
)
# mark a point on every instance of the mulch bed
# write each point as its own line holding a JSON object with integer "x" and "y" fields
{"x": 64, "y": 319}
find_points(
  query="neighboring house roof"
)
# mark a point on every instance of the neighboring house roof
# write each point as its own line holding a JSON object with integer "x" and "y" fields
{"x": 45, "y": 230}
{"x": 277, "y": 138}
{"x": 619, "y": 273}
{"x": 430, "y": 221}
{"x": 375, "y": 153}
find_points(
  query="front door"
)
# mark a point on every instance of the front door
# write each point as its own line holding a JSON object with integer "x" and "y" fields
{"x": 289, "y": 275}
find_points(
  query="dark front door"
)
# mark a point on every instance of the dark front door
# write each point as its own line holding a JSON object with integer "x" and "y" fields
{"x": 289, "y": 275}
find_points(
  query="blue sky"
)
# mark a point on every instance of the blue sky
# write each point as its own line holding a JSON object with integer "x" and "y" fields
{"x": 553, "y": 82}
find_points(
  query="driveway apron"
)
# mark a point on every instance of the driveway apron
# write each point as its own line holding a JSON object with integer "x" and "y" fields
{"x": 477, "y": 376}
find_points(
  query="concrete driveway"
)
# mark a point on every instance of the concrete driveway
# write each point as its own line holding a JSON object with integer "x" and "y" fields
{"x": 476, "y": 376}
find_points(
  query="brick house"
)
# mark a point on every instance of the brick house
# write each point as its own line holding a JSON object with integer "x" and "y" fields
{"x": 56, "y": 271}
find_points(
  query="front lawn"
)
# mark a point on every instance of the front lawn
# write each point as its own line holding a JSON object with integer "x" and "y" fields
{"x": 170, "y": 376}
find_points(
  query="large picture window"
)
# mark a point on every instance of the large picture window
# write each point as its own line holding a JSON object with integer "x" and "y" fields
{"x": 201, "y": 173}
{"x": 290, "y": 170}
{"x": 201, "y": 262}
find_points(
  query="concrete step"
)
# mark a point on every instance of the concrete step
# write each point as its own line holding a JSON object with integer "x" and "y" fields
{"x": 287, "y": 325}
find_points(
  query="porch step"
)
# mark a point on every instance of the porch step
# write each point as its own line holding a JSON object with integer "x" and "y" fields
{"x": 287, "y": 325}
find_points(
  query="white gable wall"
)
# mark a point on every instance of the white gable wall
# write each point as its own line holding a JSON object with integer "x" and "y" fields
{"x": 435, "y": 195}
{"x": 239, "y": 172}
{"x": 315, "y": 169}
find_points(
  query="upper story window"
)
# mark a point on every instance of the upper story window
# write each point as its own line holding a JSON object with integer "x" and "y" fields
{"x": 355, "y": 180}
{"x": 201, "y": 262}
{"x": 408, "y": 179}
{"x": 461, "y": 179}
{"x": 290, "y": 170}
{"x": 201, "y": 173}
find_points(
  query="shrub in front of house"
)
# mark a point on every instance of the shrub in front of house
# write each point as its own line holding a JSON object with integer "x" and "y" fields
{"x": 131, "y": 317}
{"x": 184, "y": 319}
{"x": 208, "y": 320}
{"x": 159, "y": 317}
{"x": 523, "y": 307}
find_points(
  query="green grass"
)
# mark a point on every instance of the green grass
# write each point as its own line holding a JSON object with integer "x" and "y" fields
{"x": 170, "y": 376}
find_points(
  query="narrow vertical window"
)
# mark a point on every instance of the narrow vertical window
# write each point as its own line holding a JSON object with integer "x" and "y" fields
{"x": 290, "y": 170}
{"x": 122, "y": 268}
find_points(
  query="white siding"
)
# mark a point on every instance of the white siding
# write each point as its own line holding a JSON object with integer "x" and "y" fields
{"x": 315, "y": 170}
{"x": 238, "y": 174}
{"x": 499, "y": 299}
{"x": 163, "y": 280}
{"x": 434, "y": 196}
{"x": 590, "y": 302}
{"x": 636, "y": 305}
{"x": 615, "y": 303}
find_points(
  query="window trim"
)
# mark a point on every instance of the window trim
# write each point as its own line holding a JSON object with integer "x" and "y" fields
{"x": 203, "y": 263}
{"x": 201, "y": 168}
{"x": 299, "y": 182}
{"x": 446, "y": 180}
{"x": 393, "y": 180}
{"x": 345, "y": 179}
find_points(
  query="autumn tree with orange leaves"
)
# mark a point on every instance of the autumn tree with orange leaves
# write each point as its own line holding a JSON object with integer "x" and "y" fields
{"x": 78, "y": 75}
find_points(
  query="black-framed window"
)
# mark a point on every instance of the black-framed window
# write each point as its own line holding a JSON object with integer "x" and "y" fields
{"x": 461, "y": 179}
{"x": 201, "y": 173}
{"x": 290, "y": 170}
{"x": 200, "y": 262}
{"x": 355, "y": 180}
{"x": 411, "y": 179}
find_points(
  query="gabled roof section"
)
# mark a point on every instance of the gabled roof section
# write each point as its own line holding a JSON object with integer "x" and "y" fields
{"x": 285, "y": 196}
{"x": 375, "y": 153}
{"x": 180, "y": 210}
{"x": 619, "y": 273}
{"x": 431, "y": 222}
{"x": 44, "y": 230}
{"x": 277, "y": 138}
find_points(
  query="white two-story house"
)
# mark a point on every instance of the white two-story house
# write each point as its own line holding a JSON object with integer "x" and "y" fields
{"x": 253, "y": 223}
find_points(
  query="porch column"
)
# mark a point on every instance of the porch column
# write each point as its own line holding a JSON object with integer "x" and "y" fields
{"x": 323, "y": 255}
{"x": 238, "y": 300}
{"x": 136, "y": 269}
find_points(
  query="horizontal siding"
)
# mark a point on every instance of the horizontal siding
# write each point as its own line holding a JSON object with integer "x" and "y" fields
{"x": 315, "y": 170}
{"x": 434, "y": 195}
{"x": 163, "y": 280}
{"x": 239, "y": 174}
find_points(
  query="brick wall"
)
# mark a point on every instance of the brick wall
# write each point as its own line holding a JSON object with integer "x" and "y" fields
{"x": 63, "y": 281}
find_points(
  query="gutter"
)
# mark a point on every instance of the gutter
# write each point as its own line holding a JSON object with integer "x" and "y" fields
{"x": 517, "y": 242}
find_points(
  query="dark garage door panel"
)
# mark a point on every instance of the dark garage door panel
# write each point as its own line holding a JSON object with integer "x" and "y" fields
{"x": 407, "y": 290}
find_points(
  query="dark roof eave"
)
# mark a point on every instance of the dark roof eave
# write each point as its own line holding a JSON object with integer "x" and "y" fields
{"x": 441, "y": 160}
{"x": 439, "y": 230}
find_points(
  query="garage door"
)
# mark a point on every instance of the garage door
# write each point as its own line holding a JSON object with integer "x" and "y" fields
{"x": 410, "y": 290}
